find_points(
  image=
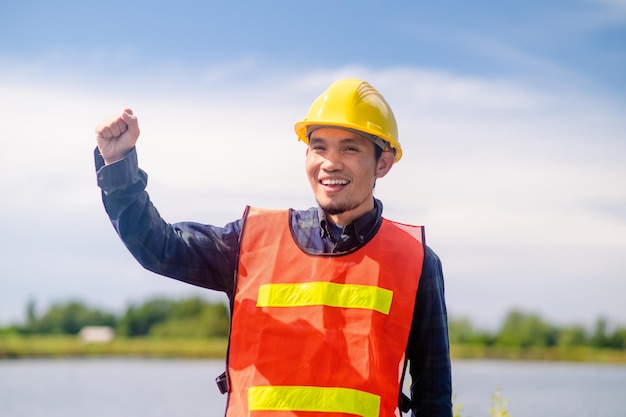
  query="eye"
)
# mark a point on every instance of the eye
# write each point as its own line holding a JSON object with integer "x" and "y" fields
{"x": 317, "y": 145}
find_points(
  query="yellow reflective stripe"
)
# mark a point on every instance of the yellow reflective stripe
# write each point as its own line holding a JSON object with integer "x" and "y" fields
{"x": 325, "y": 293}
{"x": 321, "y": 399}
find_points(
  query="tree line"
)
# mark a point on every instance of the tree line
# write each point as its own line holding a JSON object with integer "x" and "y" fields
{"x": 157, "y": 317}
{"x": 195, "y": 317}
{"x": 523, "y": 330}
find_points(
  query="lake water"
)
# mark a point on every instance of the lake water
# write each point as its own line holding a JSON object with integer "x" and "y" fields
{"x": 140, "y": 387}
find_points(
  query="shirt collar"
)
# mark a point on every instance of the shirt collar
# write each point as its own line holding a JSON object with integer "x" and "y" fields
{"x": 360, "y": 228}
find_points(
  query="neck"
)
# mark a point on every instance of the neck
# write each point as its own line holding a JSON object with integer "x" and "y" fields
{"x": 347, "y": 217}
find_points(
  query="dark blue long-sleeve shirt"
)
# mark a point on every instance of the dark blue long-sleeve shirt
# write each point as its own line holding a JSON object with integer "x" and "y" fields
{"x": 206, "y": 256}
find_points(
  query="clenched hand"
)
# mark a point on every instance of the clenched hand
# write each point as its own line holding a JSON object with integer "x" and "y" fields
{"x": 117, "y": 136}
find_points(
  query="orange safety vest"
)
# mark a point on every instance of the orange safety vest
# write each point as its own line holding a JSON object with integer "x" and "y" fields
{"x": 314, "y": 334}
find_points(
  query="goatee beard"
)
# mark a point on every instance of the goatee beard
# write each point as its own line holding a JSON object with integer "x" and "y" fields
{"x": 338, "y": 208}
{"x": 333, "y": 210}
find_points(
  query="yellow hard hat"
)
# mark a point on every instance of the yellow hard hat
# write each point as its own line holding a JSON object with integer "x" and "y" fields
{"x": 352, "y": 104}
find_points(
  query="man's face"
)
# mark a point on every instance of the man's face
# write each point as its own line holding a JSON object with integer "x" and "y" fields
{"x": 342, "y": 170}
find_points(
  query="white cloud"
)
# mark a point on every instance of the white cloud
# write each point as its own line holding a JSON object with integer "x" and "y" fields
{"x": 521, "y": 189}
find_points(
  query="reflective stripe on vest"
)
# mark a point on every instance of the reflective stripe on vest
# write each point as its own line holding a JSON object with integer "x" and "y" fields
{"x": 320, "y": 334}
{"x": 325, "y": 293}
{"x": 321, "y": 399}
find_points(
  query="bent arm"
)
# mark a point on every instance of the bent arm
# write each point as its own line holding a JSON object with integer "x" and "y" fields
{"x": 198, "y": 254}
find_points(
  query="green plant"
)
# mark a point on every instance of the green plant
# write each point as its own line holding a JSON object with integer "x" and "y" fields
{"x": 498, "y": 405}
{"x": 457, "y": 409}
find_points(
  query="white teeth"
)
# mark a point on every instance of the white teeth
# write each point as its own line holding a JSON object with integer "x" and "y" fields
{"x": 334, "y": 182}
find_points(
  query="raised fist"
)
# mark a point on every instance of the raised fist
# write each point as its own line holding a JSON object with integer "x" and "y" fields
{"x": 117, "y": 136}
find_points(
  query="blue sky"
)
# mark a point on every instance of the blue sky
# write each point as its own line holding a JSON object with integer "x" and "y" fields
{"x": 511, "y": 119}
{"x": 583, "y": 39}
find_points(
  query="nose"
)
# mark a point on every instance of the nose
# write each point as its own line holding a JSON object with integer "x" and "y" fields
{"x": 332, "y": 161}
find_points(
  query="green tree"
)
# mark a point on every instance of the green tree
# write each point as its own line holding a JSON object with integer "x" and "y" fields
{"x": 460, "y": 330}
{"x": 138, "y": 320}
{"x": 618, "y": 339}
{"x": 31, "y": 313}
{"x": 524, "y": 330}
{"x": 571, "y": 336}
{"x": 159, "y": 317}
{"x": 67, "y": 318}
{"x": 195, "y": 318}
{"x": 599, "y": 338}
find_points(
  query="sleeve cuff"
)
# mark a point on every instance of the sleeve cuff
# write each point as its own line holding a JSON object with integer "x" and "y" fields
{"x": 118, "y": 175}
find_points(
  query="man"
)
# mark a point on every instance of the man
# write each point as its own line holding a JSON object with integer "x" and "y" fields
{"x": 328, "y": 304}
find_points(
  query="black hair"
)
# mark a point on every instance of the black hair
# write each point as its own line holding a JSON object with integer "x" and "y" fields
{"x": 378, "y": 152}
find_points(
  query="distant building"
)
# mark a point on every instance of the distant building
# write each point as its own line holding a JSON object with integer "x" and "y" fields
{"x": 96, "y": 334}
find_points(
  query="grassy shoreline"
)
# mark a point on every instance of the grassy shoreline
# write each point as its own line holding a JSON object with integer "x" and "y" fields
{"x": 556, "y": 354}
{"x": 16, "y": 347}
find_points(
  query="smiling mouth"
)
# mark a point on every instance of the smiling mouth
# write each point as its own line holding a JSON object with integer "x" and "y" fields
{"x": 334, "y": 182}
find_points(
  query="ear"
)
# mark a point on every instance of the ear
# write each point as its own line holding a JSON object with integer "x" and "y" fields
{"x": 384, "y": 164}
